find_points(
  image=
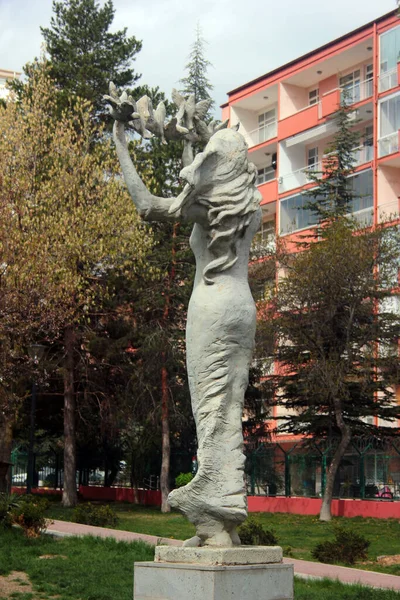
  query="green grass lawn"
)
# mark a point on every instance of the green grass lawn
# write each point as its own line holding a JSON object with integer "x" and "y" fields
{"x": 80, "y": 568}
{"x": 297, "y": 534}
{"x": 101, "y": 569}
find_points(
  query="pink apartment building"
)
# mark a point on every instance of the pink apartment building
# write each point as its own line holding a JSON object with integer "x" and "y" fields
{"x": 286, "y": 118}
{"x": 4, "y": 77}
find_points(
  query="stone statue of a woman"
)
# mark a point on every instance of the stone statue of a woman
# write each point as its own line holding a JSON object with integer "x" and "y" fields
{"x": 221, "y": 200}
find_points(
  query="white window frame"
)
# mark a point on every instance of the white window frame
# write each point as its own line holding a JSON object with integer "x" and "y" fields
{"x": 380, "y": 102}
{"x": 266, "y": 124}
{"x": 355, "y": 81}
{"x": 262, "y": 172}
{"x": 313, "y": 96}
{"x": 312, "y": 160}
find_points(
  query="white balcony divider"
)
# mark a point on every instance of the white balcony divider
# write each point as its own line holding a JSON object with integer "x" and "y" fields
{"x": 261, "y": 134}
{"x": 362, "y": 155}
{"x": 388, "y": 144}
{"x": 388, "y": 80}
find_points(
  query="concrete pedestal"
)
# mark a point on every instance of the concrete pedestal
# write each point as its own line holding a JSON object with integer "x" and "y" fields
{"x": 188, "y": 580}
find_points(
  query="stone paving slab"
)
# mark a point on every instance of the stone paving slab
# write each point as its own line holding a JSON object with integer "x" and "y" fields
{"x": 303, "y": 568}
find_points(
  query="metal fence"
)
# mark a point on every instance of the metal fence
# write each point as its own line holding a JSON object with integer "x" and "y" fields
{"x": 49, "y": 471}
{"x": 370, "y": 469}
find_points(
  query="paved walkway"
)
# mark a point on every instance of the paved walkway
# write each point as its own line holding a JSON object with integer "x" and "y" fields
{"x": 302, "y": 568}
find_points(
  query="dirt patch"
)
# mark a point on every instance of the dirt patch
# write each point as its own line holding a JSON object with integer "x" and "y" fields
{"x": 16, "y": 581}
{"x": 387, "y": 561}
{"x": 51, "y": 556}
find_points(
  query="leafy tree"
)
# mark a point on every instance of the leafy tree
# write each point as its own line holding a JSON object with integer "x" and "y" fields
{"x": 66, "y": 225}
{"x": 196, "y": 81}
{"x": 85, "y": 56}
{"x": 336, "y": 337}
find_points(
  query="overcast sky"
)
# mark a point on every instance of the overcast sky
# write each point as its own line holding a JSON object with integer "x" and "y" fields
{"x": 246, "y": 38}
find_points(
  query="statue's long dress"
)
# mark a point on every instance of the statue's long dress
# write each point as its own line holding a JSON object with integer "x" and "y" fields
{"x": 219, "y": 339}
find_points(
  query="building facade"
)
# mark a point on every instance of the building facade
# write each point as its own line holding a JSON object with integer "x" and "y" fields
{"x": 286, "y": 119}
{"x": 4, "y": 77}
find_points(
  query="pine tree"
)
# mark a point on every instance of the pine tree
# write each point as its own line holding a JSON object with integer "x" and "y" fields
{"x": 85, "y": 56}
{"x": 333, "y": 195}
{"x": 196, "y": 81}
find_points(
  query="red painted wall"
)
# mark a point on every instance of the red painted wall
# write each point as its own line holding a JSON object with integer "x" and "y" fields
{"x": 311, "y": 506}
{"x": 269, "y": 191}
{"x": 379, "y": 509}
{"x": 330, "y": 103}
{"x": 300, "y": 121}
{"x": 143, "y": 497}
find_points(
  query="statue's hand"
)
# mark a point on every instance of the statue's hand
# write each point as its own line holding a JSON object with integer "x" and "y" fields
{"x": 121, "y": 108}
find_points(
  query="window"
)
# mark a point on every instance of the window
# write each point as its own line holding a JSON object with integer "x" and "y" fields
{"x": 369, "y": 80}
{"x": 295, "y": 215}
{"x": 265, "y": 174}
{"x": 350, "y": 85}
{"x": 313, "y": 97}
{"x": 363, "y": 202}
{"x": 365, "y": 152}
{"x": 295, "y": 212}
{"x": 264, "y": 240}
{"x": 389, "y": 125}
{"x": 389, "y": 53}
{"x": 312, "y": 158}
{"x": 266, "y": 125}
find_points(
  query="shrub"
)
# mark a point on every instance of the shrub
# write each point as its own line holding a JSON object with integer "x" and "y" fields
{"x": 183, "y": 479}
{"x": 90, "y": 514}
{"x": 29, "y": 514}
{"x": 8, "y": 502}
{"x": 347, "y": 547}
{"x": 252, "y": 533}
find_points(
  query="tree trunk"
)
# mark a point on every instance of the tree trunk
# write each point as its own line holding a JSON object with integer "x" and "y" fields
{"x": 5, "y": 451}
{"x": 69, "y": 497}
{"x": 325, "y": 513}
{"x": 165, "y": 443}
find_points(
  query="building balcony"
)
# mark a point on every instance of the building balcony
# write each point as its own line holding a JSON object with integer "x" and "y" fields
{"x": 305, "y": 118}
{"x": 389, "y": 79}
{"x": 309, "y": 117}
{"x": 389, "y": 144}
{"x": 260, "y": 134}
{"x": 362, "y": 155}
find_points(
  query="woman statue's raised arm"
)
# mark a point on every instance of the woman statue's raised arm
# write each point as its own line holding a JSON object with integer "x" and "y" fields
{"x": 150, "y": 208}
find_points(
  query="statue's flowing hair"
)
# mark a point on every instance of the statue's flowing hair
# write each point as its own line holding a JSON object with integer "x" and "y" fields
{"x": 231, "y": 201}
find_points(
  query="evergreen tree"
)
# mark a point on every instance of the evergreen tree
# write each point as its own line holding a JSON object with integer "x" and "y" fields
{"x": 85, "y": 56}
{"x": 196, "y": 81}
{"x": 333, "y": 195}
{"x": 336, "y": 337}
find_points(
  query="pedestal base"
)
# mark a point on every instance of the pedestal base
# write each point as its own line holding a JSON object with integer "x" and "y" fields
{"x": 191, "y": 581}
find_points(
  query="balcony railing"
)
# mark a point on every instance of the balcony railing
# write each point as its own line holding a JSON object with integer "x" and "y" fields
{"x": 362, "y": 155}
{"x": 261, "y": 134}
{"x": 388, "y": 80}
{"x": 360, "y": 90}
{"x": 388, "y": 144}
